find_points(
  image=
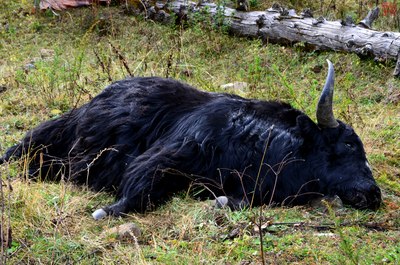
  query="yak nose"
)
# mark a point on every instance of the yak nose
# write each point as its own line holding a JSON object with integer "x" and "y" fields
{"x": 369, "y": 197}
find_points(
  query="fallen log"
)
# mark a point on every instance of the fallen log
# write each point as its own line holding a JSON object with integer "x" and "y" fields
{"x": 279, "y": 25}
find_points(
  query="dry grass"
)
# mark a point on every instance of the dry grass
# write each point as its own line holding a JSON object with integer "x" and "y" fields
{"x": 51, "y": 222}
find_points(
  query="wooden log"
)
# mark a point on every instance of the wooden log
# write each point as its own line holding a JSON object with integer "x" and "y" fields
{"x": 279, "y": 25}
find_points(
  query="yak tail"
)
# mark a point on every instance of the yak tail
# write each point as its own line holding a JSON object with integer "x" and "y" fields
{"x": 12, "y": 152}
{"x": 46, "y": 147}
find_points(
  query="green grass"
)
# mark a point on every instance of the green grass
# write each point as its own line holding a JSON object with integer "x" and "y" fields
{"x": 74, "y": 59}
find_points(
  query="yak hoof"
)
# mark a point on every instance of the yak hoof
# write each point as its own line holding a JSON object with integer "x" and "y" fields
{"x": 221, "y": 202}
{"x": 98, "y": 214}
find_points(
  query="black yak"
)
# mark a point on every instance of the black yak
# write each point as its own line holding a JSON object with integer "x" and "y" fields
{"x": 147, "y": 138}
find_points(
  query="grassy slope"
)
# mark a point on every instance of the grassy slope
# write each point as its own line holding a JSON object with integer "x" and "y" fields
{"x": 51, "y": 223}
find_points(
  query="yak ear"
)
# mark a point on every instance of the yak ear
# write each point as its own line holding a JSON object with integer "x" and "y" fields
{"x": 307, "y": 127}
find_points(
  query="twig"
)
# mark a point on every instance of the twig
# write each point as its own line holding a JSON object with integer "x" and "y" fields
{"x": 122, "y": 59}
{"x": 261, "y": 164}
{"x": 169, "y": 65}
{"x": 103, "y": 67}
{"x": 260, "y": 234}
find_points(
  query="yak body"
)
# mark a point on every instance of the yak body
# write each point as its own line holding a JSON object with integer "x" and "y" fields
{"x": 148, "y": 138}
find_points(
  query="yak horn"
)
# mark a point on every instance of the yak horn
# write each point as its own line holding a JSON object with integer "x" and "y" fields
{"x": 325, "y": 116}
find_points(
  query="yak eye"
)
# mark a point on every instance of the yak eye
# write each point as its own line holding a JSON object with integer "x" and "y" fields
{"x": 349, "y": 145}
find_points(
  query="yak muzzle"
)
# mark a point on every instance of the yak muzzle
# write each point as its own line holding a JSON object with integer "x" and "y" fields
{"x": 366, "y": 197}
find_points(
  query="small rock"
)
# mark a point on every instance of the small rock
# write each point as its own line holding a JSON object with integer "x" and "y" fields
{"x": 124, "y": 232}
{"x": 234, "y": 233}
{"x": 187, "y": 72}
{"x": 46, "y": 53}
{"x": 234, "y": 86}
{"x": 329, "y": 234}
{"x": 333, "y": 202}
{"x": 264, "y": 226}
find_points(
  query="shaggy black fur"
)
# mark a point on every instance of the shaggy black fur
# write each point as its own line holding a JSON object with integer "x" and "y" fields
{"x": 148, "y": 138}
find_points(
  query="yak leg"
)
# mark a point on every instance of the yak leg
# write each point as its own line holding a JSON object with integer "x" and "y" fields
{"x": 152, "y": 178}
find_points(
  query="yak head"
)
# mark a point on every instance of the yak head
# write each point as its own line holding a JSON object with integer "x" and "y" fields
{"x": 337, "y": 155}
